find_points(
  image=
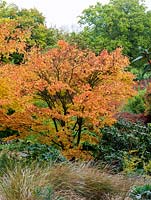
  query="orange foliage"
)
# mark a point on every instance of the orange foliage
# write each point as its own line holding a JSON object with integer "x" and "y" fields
{"x": 79, "y": 93}
{"x": 12, "y": 39}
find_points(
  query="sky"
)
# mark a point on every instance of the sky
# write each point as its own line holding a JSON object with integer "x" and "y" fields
{"x": 61, "y": 13}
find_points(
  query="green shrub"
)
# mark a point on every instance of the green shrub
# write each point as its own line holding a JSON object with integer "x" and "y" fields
{"x": 141, "y": 192}
{"x": 148, "y": 100}
{"x": 136, "y": 104}
{"x": 26, "y": 153}
{"x": 43, "y": 152}
{"x": 132, "y": 164}
{"x": 124, "y": 137}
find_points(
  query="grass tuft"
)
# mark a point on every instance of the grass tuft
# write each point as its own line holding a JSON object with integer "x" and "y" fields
{"x": 61, "y": 182}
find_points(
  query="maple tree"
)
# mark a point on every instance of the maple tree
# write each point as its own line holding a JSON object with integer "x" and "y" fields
{"x": 12, "y": 43}
{"x": 64, "y": 95}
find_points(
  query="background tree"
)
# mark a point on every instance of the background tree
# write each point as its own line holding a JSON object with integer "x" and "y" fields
{"x": 125, "y": 23}
{"x": 34, "y": 21}
{"x": 12, "y": 42}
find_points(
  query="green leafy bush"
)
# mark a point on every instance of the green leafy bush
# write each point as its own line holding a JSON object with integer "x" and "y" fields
{"x": 141, "y": 192}
{"x": 124, "y": 137}
{"x": 43, "y": 152}
{"x": 25, "y": 153}
{"x": 136, "y": 104}
{"x": 132, "y": 164}
{"x": 148, "y": 100}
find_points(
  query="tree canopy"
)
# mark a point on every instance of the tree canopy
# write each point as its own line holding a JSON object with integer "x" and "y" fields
{"x": 63, "y": 95}
{"x": 33, "y": 20}
{"x": 124, "y": 23}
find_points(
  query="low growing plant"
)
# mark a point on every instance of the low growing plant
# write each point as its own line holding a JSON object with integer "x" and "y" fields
{"x": 122, "y": 138}
{"x": 26, "y": 153}
{"x": 132, "y": 163}
{"x": 141, "y": 192}
{"x": 62, "y": 181}
{"x": 136, "y": 104}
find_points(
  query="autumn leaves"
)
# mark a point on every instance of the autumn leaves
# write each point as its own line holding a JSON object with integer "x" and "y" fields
{"x": 63, "y": 95}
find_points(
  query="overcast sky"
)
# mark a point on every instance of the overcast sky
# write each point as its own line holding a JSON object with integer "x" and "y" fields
{"x": 60, "y": 13}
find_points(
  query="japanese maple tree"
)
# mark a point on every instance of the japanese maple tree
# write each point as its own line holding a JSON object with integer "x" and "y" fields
{"x": 12, "y": 46}
{"x": 66, "y": 95}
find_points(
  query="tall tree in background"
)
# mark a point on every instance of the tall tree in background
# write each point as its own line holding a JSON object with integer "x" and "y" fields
{"x": 13, "y": 42}
{"x": 34, "y": 21}
{"x": 121, "y": 23}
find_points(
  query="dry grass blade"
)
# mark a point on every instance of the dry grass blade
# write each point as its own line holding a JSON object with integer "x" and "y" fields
{"x": 19, "y": 184}
{"x": 62, "y": 181}
{"x": 88, "y": 182}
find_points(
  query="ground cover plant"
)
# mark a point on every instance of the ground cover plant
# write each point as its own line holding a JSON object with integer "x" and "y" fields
{"x": 125, "y": 141}
{"x": 141, "y": 192}
{"x": 25, "y": 153}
